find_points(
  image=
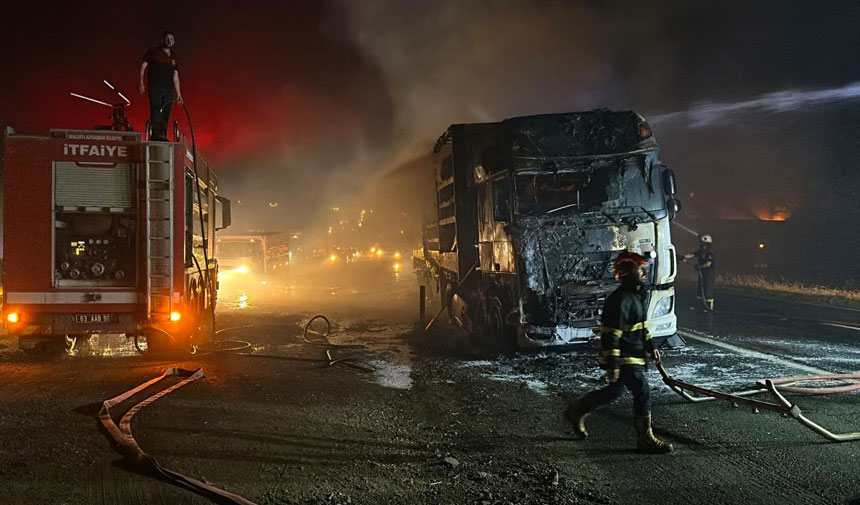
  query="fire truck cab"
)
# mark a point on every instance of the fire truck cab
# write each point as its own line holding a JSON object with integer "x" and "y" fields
{"x": 106, "y": 233}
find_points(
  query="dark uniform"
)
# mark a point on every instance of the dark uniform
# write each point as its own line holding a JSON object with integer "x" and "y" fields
{"x": 707, "y": 275}
{"x": 624, "y": 345}
{"x": 160, "y": 70}
{"x": 624, "y": 342}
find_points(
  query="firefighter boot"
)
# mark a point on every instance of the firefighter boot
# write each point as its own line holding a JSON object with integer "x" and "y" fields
{"x": 576, "y": 415}
{"x": 646, "y": 441}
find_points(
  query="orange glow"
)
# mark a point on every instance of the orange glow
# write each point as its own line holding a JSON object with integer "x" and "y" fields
{"x": 397, "y": 255}
{"x": 175, "y": 316}
{"x": 777, "y": 212}
{"x": 332, "y": 258}
{"x": 13, "y": 317}
{"x": 761, "y": 246}
{"x": 379, "y": 253}
{"x": 773, "y": 216}
{"x": 397, "y": 267}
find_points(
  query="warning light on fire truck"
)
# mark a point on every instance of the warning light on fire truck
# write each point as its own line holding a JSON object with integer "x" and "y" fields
{"x": 175, "y": 316}
{"x": 13, "y": 317}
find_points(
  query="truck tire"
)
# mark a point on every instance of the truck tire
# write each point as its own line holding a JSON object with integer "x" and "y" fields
{"x": 496, "y": 329}
{"x": 205, "y": 326}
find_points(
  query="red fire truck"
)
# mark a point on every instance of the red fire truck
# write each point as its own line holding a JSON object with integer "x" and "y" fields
{"x": 106, "y": 233}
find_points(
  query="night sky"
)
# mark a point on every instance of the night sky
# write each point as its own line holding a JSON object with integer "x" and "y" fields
{"x": 301, "y": 101}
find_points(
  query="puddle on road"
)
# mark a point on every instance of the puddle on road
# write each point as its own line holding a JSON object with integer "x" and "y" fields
{"x": 537, "y": 386}
{"x": 393, "y": 356}
{"x": 392, "y": 375}
{"x": 545, "y": 373}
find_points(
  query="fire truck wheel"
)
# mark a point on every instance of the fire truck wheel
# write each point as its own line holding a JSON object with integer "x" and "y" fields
{"x": 206, "y": 328}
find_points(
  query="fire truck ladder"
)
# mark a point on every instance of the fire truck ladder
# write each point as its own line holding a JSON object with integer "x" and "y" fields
{"x": 159, "y": 230}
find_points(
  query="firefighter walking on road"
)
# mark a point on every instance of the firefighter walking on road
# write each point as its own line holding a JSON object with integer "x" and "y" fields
{"x": 625, "y": 344}
{"x": 704, "y": 266}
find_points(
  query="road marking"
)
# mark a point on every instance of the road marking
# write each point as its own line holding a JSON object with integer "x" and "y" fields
{"x": 837, "y": 325}
{"x": 756, "y": 354}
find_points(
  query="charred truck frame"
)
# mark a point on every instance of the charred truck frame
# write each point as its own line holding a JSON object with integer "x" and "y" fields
{"x": 530, "y": 213}
{"x": 105, "y": 233}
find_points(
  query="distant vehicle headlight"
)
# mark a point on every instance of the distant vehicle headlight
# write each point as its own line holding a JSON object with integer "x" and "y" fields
{"x": 663, "y": 307}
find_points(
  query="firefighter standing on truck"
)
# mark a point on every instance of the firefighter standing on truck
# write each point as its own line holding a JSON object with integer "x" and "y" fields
{"x": 163, "y": 80}
{"x": 625, "y": 344}
{"x": 704, "y": 266}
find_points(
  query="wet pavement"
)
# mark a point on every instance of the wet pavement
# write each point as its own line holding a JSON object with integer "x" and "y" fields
{"x": 431, "y": 417}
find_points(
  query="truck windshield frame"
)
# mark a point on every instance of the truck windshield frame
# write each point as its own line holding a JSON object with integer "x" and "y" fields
{"x": 616, "y": 187}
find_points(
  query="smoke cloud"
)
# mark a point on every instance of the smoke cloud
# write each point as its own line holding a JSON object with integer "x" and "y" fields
{"x": 302, "y": 107}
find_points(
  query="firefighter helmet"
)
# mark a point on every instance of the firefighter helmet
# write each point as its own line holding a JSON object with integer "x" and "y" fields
{"x": 628, "y": 262}
{"x": 706, "y": 239}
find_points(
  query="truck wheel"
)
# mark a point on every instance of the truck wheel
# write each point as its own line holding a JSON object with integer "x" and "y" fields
{"x": 497, "y": 331}
{"x": 494, "y": 322}
{"x": 205, "y": 326}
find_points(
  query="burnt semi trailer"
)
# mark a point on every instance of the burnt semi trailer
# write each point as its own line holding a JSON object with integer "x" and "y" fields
{"x": 531, "y": 211}
{"x": 106, "y": 233}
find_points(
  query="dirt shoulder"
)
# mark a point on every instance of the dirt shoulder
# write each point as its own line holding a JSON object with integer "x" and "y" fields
{"x": 786, "y": 296}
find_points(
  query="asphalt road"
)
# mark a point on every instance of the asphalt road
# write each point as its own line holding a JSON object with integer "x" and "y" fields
{"x": 440, "y": 420}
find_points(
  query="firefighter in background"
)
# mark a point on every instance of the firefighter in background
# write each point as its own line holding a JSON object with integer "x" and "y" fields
{"x": 625, "y": 344}
{"x": 162, "y": 73}
{"x": 705, "y": 268}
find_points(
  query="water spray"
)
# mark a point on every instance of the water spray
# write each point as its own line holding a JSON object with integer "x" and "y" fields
{"x": 707, "y": 113}
{"x": 688, "y": 230}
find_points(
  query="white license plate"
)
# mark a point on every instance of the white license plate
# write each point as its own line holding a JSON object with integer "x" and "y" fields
{"x": 94, "y": 318}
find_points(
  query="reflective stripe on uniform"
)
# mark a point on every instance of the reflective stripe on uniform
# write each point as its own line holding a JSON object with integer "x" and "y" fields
{"x": 638, "y": 326}
{"x": 631, "y": 361}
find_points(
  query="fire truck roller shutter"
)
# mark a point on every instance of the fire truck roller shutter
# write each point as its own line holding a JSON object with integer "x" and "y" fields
{"x": 100, "y": 186}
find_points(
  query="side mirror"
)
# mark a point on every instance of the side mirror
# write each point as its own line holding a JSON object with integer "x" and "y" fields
{"x": 224, "y": 214}
{"x": 674, "y": 207}
{"x": 670, "y": 186}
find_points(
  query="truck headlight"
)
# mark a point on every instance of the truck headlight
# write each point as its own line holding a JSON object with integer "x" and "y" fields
{"x": 663, "y": 307}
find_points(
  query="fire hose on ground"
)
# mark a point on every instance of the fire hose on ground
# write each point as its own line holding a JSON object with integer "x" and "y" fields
{"x": 235, "y": 346}
{"x": 774, "y": 387}
{"x": 127, "y": 445}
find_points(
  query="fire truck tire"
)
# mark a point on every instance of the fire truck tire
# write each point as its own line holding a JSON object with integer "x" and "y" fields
{"x": 206, "y": 326}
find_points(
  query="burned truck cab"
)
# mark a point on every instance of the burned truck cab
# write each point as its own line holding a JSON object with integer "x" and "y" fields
{"x": 541, "y": 205}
